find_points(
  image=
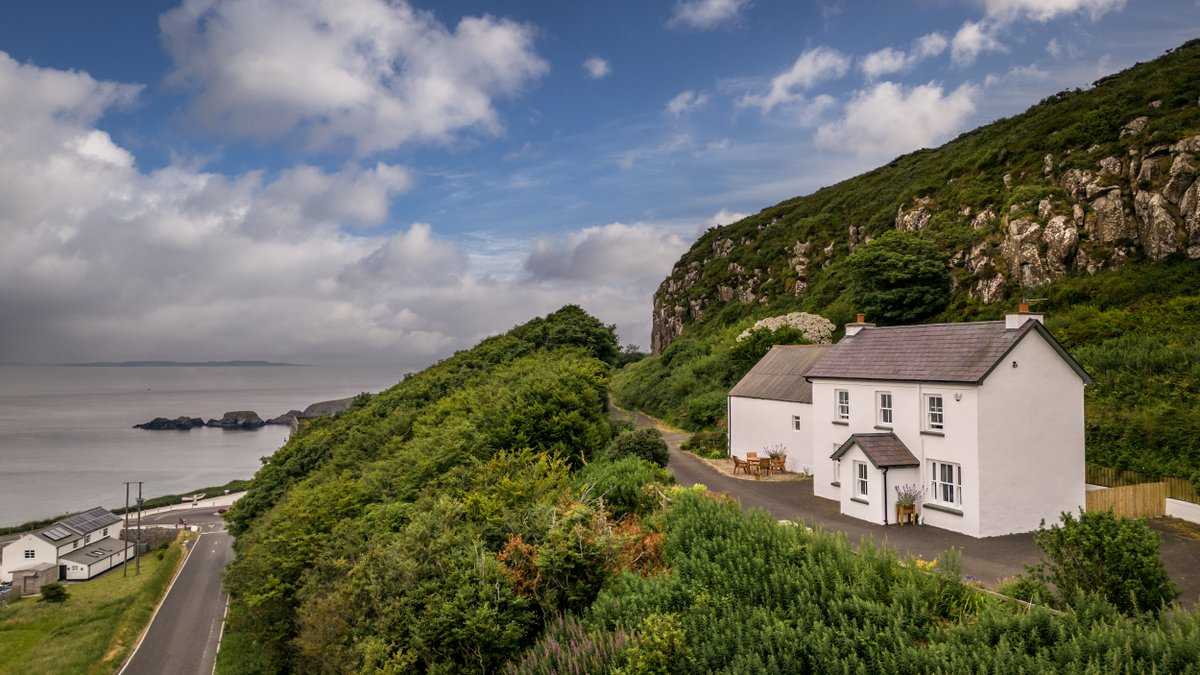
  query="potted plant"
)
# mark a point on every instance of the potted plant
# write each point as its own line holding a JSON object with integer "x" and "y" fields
{"x": 907, "y": 497}
{"x": 778, "y": 455}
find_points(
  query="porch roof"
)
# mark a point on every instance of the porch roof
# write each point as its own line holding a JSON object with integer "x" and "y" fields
{"x": 885, "y": 450}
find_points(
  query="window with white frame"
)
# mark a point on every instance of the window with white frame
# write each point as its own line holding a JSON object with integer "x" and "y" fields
{"x": 105, "y": 533}
{"x": 861, "y": 485}
{"x": 87, "y": 538}
{"x": 30, "y": 554}
{"x": 884, "y": 416}
{"x": 837, "y": 467}
{"x": 945, "y": 486}
{"x": 841, "y": 411}
{"x": 797, "y": 425}
{"x": 935, "y": 412}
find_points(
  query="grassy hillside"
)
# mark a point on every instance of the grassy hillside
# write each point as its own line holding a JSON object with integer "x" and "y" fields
{"x": 1053, "y": 203}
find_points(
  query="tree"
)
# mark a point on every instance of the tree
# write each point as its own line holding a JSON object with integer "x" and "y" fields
{"x": 1114, "y": 557}
{"x": 648, "y": 444}
{"x": 899, "y": 278}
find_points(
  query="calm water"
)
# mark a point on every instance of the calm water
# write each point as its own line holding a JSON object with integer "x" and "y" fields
{"x": 66, "y": 442}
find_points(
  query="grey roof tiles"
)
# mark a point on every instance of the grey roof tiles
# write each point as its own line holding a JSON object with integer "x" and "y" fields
{"x": 780, "y": 375}
{"x": 883, "y": 449}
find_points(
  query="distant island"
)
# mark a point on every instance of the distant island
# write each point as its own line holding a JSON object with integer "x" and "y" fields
{"x": 164, "y": 364}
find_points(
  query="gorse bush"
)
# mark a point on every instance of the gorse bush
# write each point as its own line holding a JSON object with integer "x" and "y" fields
{"x": 646, "y": 444}
{"x": 626, "y": 485}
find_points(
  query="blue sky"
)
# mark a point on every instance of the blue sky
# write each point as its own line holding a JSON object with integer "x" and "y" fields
{"x": 338, "y": 180}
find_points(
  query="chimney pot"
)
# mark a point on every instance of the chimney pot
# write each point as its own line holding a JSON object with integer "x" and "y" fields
{"x": 1023, "y": 307}
{"x": 862, "y": 318}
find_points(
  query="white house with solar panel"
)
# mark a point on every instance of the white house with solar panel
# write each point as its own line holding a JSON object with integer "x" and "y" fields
{"x": 82, "y": 547}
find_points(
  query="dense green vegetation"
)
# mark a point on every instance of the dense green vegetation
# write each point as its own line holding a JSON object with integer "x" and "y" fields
{"x": 1133, "y": 326}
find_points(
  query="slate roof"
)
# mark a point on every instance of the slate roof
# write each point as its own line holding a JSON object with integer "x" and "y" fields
{"x": 90, "y": 520}
{"x": 884, "y": 450}
{"x": 96, "y": 551}
{"x": 941, "y": 352}
{"x": 780, "y": 375}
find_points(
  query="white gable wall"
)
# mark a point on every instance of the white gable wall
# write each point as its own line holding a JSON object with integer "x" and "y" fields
{"x": 1031, "y": 431}
{"x": 755, "y": 424}
{"x": 14, "y": 555}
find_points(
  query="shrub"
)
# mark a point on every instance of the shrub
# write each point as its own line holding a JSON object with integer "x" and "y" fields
{"x": 657, "y": 647}
{"x": 622, "y": 484}
{"x": 646, "y": 444}
{"x": 54, "y": 592}
{"x": 566, "y": 647}
{"x": 1116, "y": 558}
{"x": 713, "y": 444}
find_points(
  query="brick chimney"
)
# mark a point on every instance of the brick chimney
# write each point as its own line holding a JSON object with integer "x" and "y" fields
{"x": 1018, "y": 319}
{"x": 859, "y": 324}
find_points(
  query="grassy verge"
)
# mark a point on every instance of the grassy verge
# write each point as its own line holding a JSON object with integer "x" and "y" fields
{"x": 94, "y": 630}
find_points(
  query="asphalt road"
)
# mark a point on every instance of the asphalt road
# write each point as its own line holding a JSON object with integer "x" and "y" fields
{"x": 184, "y": 634}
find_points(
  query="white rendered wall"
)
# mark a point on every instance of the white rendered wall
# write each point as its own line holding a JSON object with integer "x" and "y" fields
{"x": 1031, "y": 440}
{"x": 956, "y": 442}
{"x": 14, "y": 555}
{"x": 755, "y": 424}
{"x": 1186, "y": 510}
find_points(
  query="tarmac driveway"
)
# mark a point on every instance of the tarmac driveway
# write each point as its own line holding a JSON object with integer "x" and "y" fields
{"x": 990, "y": 559}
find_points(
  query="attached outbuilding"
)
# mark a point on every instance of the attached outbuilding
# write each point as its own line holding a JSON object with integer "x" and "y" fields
{"x": 87, "y": 541}
{"x": 772, "y": 406}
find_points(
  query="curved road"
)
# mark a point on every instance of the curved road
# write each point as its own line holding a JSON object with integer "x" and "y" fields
{"x": 184, "y": 634}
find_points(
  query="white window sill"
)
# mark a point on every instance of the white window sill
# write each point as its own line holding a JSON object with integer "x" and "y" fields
{"x": 932, "y": 432}
{"x": 943, "y": 509}
{"x": 844, "y": 423}
{"x": 859, "y": 500}
{"x": 884, "y": 427}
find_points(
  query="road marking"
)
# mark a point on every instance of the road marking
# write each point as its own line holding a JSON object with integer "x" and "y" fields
{"x": 186, "y": 556}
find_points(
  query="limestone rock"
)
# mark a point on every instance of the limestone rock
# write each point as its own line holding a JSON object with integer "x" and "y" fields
{"x": 722, "y": 247}
{"x": 1045, "y": 209}
{"x": 1007, "y": 178}
{"x": 1150, "y": 169}
{"x": 1062, "y": 240}
{"x": 1191, "y": 145}
{"x": 983, "y": 219}
{"x": 855, "y": 236}
{"x": 1020, "y": 251}
{"x": 1183, "y": 174}
{"x": 1075, "y": 182}
{"x": 1110, "y": 166}
{"x": 1108, "y": 223}
{"x": 1047, "y": 165}
{"x": 1134, "y": 126}
{"x": 1156, "y": 225}
{"x": 916, "y": 218}
{"x": 1189, "y": 209}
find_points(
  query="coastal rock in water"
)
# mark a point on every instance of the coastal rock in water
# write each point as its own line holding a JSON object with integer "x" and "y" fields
{"x": 286, "y": 418}
{"x": 238, "y": 419}
{"x": 327, "y": 407}
{"x": 177, "y": 424}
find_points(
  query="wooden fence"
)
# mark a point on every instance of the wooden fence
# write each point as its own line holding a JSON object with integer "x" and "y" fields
{"x": 1177, "y": 488}
{"x": 1134, "y": 501}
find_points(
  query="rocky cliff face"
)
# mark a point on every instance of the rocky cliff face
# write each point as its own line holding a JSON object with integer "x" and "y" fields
{"x": 1091, "y": 210}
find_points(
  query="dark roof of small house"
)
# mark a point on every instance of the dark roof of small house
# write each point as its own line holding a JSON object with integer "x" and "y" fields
{"x": 96, "y": 551}
{"x": 940, "y": 352}
{"x": 779, "y": 375}
{"x": 884, "y": 450}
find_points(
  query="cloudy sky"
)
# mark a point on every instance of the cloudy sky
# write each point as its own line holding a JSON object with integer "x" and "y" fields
{"x": 384, "y": 181}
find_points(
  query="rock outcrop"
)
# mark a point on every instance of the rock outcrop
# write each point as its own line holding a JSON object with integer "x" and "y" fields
{"x": 287, "y": 418}
{"x": 177, "y": 424}
{"x": 238, "y": 419}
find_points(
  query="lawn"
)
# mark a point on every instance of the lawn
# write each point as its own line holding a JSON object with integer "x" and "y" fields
{"x": 93, "y": 631}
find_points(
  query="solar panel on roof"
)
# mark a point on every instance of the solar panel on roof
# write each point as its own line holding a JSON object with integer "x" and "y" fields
{"x": 56, "y": 533}
{"x": 90, "y": 521}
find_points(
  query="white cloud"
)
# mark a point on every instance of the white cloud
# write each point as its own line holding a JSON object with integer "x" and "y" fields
{"x": 638, "y": 255}
{"x": 887, "y": 119}
{"x": 596, "y": 67}
{"x": 685, "y": 102}
{"x": 103, "y": 261}
{"x": 811, "y": 68}
{"x": 725, "y": 217}
{"x": 1016, "y": 74}
{"x": 1045, "y": 10}
{"x": 887, "y": 60}
{"x": 373, "y": 74}
{"x": 705, "y": 14}
{"x": 1053, "y": 49}
{"x": 972, "y": 39}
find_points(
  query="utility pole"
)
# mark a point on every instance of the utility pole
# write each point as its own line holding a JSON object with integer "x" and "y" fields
{"x": 138, "y": 551}
{"x": 125, "y": 536}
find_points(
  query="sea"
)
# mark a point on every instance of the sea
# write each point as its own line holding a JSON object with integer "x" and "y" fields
{"x": 67, "y": 442}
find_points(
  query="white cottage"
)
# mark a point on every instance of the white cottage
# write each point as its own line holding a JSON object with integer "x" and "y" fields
{"x": 82, "y": 546}
{"x": 772, "y": 405}
{"x": 986, "y": 417}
